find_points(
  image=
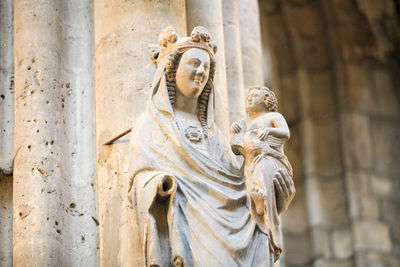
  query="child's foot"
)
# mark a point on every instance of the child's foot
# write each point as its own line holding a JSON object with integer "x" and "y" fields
{"x": 258, "y": 197}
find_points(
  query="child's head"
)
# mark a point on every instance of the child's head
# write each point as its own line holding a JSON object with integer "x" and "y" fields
{"x": 261, "y": 98}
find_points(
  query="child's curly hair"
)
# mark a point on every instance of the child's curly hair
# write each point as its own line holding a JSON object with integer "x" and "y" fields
{"x": 270, "y": 101}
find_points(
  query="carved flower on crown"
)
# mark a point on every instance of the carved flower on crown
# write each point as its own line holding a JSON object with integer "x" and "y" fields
{"x": 168, "y": 35}
{"x": 193, "y": 133}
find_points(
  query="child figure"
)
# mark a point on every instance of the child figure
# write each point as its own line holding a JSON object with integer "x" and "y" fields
{"x": 261, "y": 141}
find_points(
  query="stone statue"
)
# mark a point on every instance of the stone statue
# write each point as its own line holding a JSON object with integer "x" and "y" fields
{"x": 187, "y": 190}
{"x": 261, "y": 141}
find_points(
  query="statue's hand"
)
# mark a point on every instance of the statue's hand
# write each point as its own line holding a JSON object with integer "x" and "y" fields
{"x": 166, "y": 185}
{"x": 235, "y": 128}
{"x": 285, "y": 189}
{"x": 262, "y": 134}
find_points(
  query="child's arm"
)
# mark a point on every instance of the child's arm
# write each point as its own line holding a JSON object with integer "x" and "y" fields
{"x": 280, "y": 128}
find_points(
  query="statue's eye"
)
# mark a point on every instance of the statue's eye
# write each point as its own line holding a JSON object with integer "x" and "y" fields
{"x": 194, "y": 62}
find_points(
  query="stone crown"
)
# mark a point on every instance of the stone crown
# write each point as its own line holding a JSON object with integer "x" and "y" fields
{"x": 169, "y": 41}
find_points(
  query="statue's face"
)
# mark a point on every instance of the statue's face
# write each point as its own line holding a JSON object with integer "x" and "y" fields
{"x": 192, "y": 73}
{"x": 256, "y": 100}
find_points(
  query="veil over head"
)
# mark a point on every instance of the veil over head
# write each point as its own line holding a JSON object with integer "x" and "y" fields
{"x": 201, "y": 215}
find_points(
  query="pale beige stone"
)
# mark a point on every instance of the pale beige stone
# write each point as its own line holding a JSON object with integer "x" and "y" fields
{"x": 321, "y": 242}
{"x": 234, "y": 68}
{"x": 295, "y": 219}
{"x": 332, "y": 263}
{"x": 6, "y": 87}
{"x": 342, "y": 243}
{"x": 250, "y": 36}
{"x": 326, "y": 201}
{"x": 362, "y": 201}
{"x": 321, "y": 147}
{"x": 295, "y": 254}
{"x": 356, "y": 93}
{"x": 371, "y": 235}
{"x": 289, "y": 104}
{"x": 54, "y": 167}
{"x": 357, "y": 141}
{"x": 382, "y": 186}
{"x": 208, "y": 13}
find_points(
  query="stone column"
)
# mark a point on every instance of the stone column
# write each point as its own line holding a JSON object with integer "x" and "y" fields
{"x": 6, "y": 188}
{"x": 208, "y": 13}
{"x": 54, "y": 200}
{"x": 250, "y": 36}
{"x": 6, "y": 87}
{"x": 6, "y": 129}
{"x": 234, "y": 69}
{"x": 78, "y": 155}
{"x": 124, "y": 74}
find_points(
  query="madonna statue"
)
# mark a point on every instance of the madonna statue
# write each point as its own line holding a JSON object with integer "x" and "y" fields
{"x": 186, "y": 188}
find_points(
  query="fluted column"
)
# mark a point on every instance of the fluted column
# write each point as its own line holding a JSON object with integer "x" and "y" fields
{"x": 208, "y": 13}
{"x": 6, "y": 129}
{"x": 124, "y": 73}
{"x": 6, "y": 87}
{"x": 78, "y": 180}
{"x": 234, "y": 69}
{"x": 250, "y": 36}
{"x": 54, "y": 174}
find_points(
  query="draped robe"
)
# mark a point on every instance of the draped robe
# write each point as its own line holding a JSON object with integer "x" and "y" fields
{"x": 190, "y": 204}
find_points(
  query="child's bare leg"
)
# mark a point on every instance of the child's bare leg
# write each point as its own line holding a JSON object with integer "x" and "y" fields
{"x": 257, "y": 195}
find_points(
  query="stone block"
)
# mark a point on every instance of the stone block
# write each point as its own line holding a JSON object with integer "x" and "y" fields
{"x": 387, "y": 102}
{"x": 294, "y": 154}
{"x": 288, "y": 103}
{"x": 386, "y": 145}
{"x": 371, "y": 236}
{"x": 357, "y": 88}
{"x": 321, "y": 95}
{"x": 332, "y": 263}
{"x": 326, "y": 201}
{"x": 295, "y": 219}
{"x": 382, "y": 186}
{"x": 357, "y": 144}
{"x": 362, "y": 201}
{"x": 321, "y": 147}
{"x": 372, "y": 259}
{"x": 298, "y": 249}
{"x": 342, "y": 246}
{"x": 321, "y": 246}
{"x": 390, "y": 210}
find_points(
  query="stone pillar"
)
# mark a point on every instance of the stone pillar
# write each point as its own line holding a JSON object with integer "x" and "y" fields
{"x": 6, "y": 87}
{"x": 79, "y": 148}
{"x": 54, "y": 174}
{"x": 234, "y": 69}
{"x": 6, "y": 129}
{"x": 6, "y": 194}
{"x": 124, "y": 74}
{"x": 208, "y": 13}
{"x": 250, "y": 35}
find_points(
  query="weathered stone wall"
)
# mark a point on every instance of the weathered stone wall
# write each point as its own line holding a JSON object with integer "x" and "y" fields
{"x": 336, "y": 66}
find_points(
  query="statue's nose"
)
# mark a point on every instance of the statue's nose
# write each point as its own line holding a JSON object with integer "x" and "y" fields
{"x": 200, "y": 69}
